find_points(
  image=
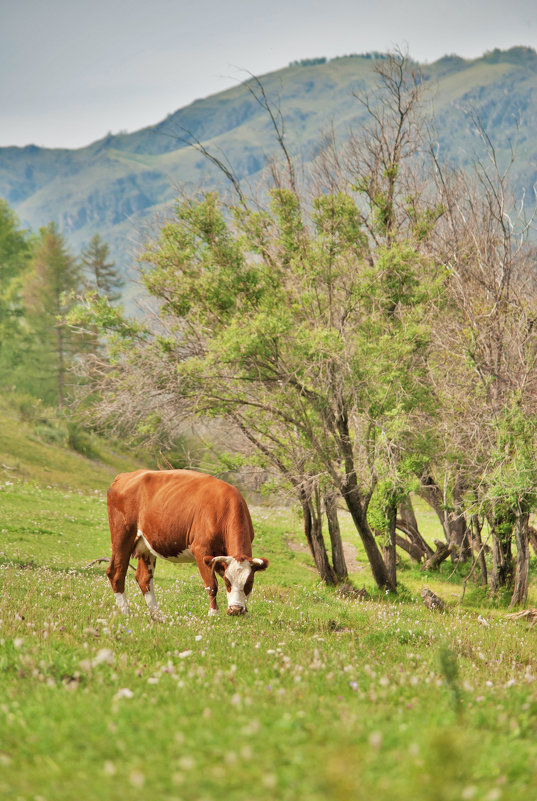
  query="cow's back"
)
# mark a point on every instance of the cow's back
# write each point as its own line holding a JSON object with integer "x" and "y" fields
{"x": 183, "y": 504}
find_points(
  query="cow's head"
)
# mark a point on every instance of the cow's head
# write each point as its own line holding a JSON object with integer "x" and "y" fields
{"x": 238, "y": 574}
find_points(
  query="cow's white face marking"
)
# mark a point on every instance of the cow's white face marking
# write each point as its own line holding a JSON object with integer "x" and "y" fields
{"x": 238, "y": 573}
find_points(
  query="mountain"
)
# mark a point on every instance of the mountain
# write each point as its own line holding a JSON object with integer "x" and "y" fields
{"x": 120, "y": 185}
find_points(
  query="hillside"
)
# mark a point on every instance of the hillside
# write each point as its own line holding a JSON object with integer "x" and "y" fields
{"x": 34, "y": 448}
{"x": 118, "y": 185}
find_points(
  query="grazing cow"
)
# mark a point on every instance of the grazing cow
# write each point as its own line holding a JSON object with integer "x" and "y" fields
{"x": 181, "y": 516}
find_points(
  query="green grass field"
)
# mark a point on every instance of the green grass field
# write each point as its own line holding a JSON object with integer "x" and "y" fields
{"x": 309, "y": 696}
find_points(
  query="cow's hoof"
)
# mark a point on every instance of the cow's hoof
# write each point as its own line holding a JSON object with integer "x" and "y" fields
{"x": 213, "y": 612}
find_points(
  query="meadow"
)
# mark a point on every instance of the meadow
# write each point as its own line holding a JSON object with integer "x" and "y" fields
{"x": 312, "y": 695}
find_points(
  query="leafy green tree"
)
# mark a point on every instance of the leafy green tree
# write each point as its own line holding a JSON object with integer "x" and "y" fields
{"x": 15, "y": 252}
{"x": 48, "y": 295}
{"x": 511, "y": 487}
{"x": 486, "y": 350}
{"x": 100, "y": 273}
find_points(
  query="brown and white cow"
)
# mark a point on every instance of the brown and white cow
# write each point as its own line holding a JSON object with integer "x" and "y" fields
{"x": 181, "y": 516}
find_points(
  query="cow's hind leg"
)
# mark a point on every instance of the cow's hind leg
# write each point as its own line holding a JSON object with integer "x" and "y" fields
{"x": 116, "y": 572}
{"x": 122, "y": 544}
{"x": 144, "y": 576}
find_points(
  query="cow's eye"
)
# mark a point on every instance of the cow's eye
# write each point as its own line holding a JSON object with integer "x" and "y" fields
{"x": 228, "y": 584}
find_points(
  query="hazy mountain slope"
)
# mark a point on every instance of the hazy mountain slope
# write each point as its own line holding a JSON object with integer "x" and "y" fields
{"x": 116, "y": 185}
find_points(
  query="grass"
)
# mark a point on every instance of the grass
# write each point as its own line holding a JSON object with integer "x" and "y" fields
{"x": 310, "y": 696}
{"x": 27, "y": 452}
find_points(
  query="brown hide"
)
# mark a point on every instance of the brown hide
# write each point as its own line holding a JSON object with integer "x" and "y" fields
{"x": 181, "y": 509}
{"x": 181, "y": 515}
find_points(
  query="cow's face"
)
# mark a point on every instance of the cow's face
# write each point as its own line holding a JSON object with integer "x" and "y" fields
{"x": 238, "y": 575}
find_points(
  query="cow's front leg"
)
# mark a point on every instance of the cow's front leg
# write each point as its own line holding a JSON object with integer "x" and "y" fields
{"x": 213, "y": 606}
{"x": 144, "y": 577}
{"x": 209, "y": 581}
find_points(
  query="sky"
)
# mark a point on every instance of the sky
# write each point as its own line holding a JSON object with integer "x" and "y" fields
{"x": 74, "y": 71}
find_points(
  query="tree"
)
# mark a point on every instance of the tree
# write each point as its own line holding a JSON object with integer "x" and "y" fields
{"x": 487, "y": 350}
{"x": 48, "y": 295}
{"x": 15, "y": 252}
{"x": 100, "y": 274}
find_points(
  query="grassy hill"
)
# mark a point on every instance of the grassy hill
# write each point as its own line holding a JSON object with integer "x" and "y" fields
{"x": 39, "y": 448}
{"x": 119, "y": 185}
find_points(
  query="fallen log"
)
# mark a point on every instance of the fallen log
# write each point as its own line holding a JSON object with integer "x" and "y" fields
{"x": 431, "y": 600}
{"x": 530, "y": 614}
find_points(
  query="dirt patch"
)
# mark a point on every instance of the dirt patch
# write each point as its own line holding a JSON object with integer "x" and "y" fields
{"x": 349, "y": 550}
{"x": 293, "y": 545}
{"x": 350, "y": 558}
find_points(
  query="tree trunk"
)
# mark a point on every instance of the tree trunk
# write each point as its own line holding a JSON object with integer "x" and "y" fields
{"x": 390, "y": 555}
{"x": 520, "y": 589}
{"x": 480, "y": 548}
{"x": 412, "y": 550}
{"x": 355, "y": 505}
{"x": 442, "y": 552}
{"x": 497, "y": 578}
{"x": 61, "y": 364}
{"x": 314, "y": 536}
{"x": 430, "y": 492}
{"x": 453, "y": 521}
{"x": 338, "y": 555}
{"x": 407, "y": 515}
{"x": 502, "y": 557}
{"x": 532, "y": 533}
{"x": 415, "y": 537}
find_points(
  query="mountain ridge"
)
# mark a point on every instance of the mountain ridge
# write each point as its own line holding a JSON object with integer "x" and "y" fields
{"x": 115, "y": 185}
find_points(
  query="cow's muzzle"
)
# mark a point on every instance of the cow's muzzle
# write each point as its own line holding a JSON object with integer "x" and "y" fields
{"x": 236, "y": 610}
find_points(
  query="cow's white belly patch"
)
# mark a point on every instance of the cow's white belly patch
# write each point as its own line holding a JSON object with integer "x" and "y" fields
{"x": 143, "y": 546}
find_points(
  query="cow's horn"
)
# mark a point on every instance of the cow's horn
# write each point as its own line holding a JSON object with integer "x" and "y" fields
{"x": 226, "y": 559}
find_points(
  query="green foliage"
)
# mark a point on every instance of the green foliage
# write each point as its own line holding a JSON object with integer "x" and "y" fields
{"x": 81, "y": 441}
{"x": 15, "y": 252}
{"x": 512, "y": 479}
{"x": 54, "y": 274}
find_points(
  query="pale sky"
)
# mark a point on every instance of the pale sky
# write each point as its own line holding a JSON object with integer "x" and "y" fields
{"x": 72, "y": 71}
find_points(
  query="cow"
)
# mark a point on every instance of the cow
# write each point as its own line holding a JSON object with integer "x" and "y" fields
{"x": 181, "y": 516}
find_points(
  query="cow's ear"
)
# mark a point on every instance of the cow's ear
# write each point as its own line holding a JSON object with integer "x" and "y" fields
{"x": 260, "y": 564}
{"x": 216, "y": 564}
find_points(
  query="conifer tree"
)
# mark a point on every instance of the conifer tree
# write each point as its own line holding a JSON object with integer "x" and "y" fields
{"x": 100, "y": 273}
{"x": 55, "y": 276}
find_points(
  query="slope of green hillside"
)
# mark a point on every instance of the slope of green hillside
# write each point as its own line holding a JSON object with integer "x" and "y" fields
{"x": 36, "y": 450}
